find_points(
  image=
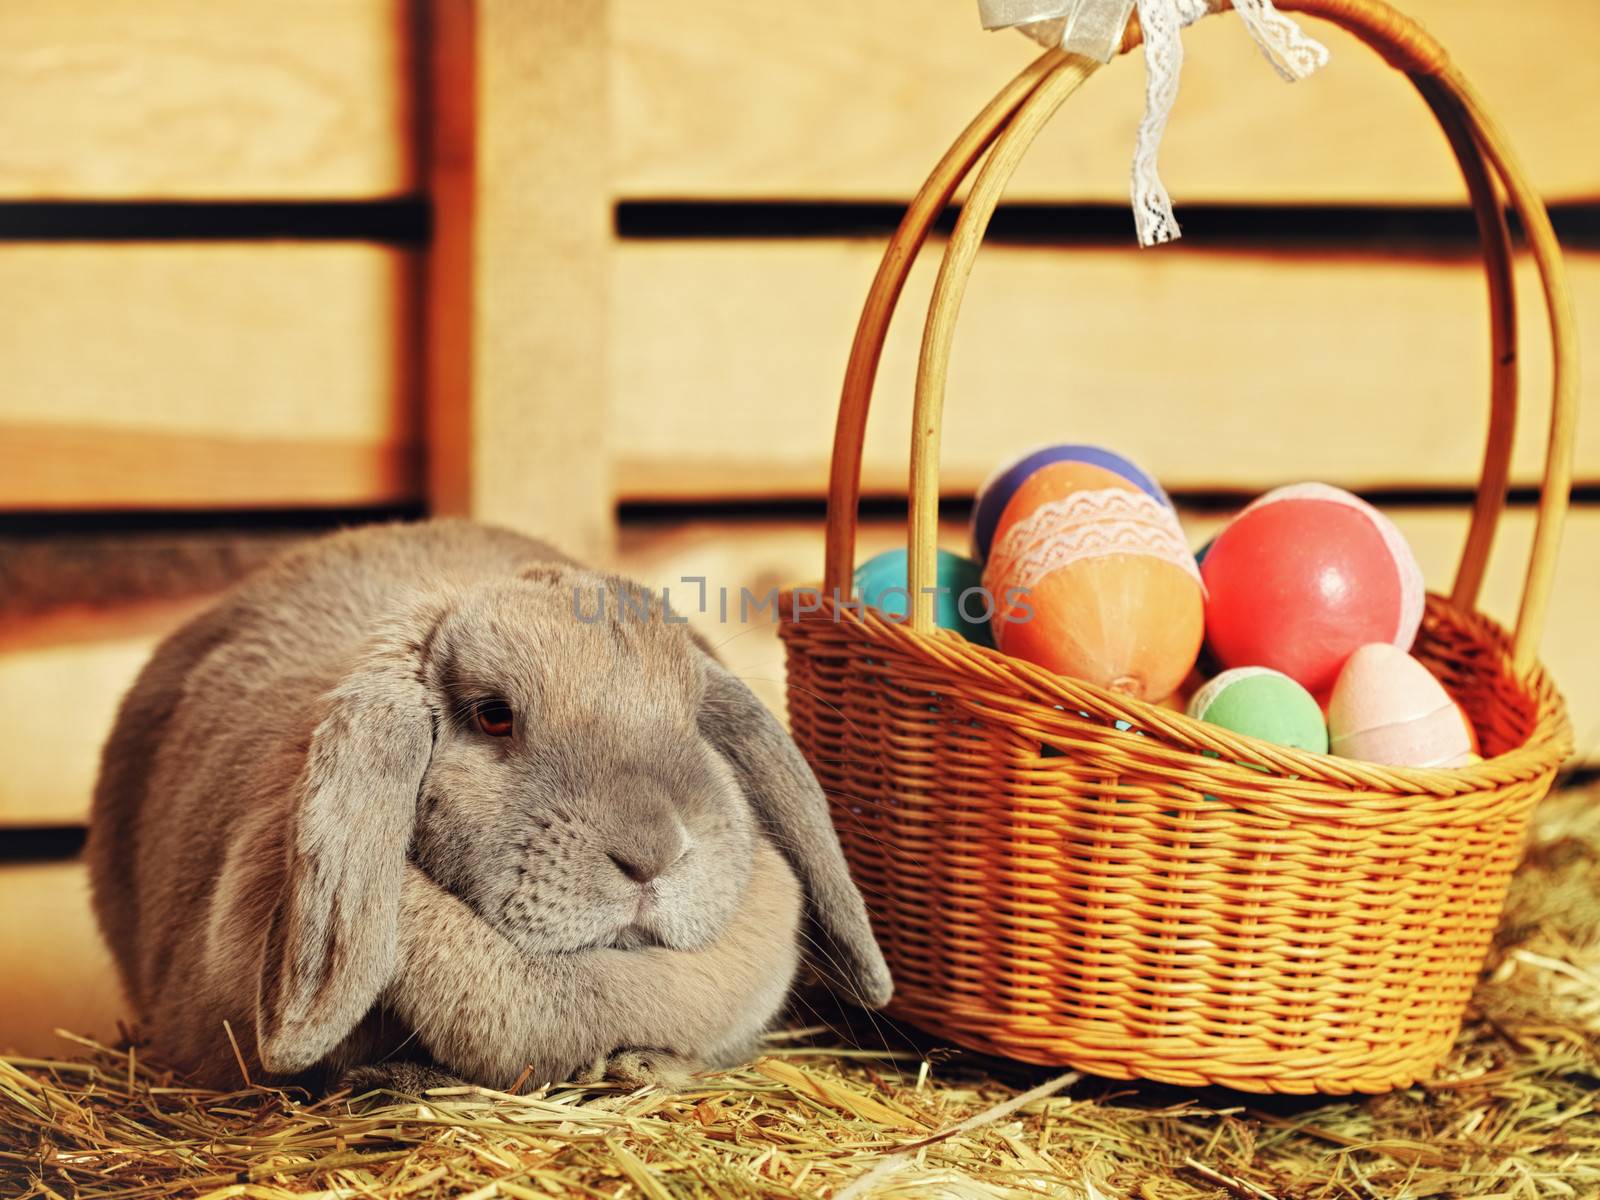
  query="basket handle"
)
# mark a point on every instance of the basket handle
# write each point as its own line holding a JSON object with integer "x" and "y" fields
{"x": 1007, "y": 126}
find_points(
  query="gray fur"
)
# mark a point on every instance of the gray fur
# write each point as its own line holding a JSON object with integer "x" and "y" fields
{"x": 300, "y": 830}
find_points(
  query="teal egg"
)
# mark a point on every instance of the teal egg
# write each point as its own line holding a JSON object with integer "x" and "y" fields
{"x": 1263, "y": 703}
{"x": 961, "y": 603}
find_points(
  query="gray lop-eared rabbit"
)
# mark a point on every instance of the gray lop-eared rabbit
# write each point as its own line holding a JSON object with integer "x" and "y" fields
{"x": 397, "y": 809}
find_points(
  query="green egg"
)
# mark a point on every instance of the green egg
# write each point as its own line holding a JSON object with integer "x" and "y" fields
{"x": 961, "y": 604}
{"x": 1263, "y": 703}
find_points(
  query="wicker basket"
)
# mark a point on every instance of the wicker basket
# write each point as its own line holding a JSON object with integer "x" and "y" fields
{"x": 1049, "y": 888}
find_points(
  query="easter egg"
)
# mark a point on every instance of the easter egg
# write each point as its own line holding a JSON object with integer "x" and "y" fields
{"x": 1097, "y": 583}
{"x": 996, "y": 492}
{"x": 1303, "y": 577}
{"x": 960, "y": 604}
{"x": 1055, "y": 482}
{"x": 1263, "y": 703}
{"x": 1387, "y": 708}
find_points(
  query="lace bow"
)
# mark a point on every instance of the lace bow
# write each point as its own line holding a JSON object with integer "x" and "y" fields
{"x": 1094, "y": 28}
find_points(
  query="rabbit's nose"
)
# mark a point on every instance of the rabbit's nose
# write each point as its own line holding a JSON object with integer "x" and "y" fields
{"x": 643, "y": 861}
{"x": 638, "y": 871}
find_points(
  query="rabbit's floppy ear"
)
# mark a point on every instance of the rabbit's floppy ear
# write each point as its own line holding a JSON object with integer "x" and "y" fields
{"x": 794, "y": 812}
{"x": 332, "y": 940}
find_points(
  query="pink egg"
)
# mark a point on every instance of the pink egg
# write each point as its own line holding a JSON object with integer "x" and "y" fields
{"x": 1387, "y": 708}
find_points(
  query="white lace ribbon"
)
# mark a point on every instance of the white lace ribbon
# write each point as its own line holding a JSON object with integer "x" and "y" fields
{"x": 1098, "y": 523}
{"x": 1094, "y": 28}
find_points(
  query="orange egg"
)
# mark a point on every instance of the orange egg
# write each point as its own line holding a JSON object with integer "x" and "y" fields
{"x": 1053, "y": 482}
{"x": 1092, "y": 577}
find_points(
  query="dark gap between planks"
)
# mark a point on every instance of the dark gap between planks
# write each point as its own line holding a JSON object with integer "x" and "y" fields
{"x": 16, "y": 527}
{"x": 1422, "y": 230}
{"x": 884, "y": 508}
{"x": 56, "y": 522}
{"x": 401, "y": 221}
{"x": 407, "y": 221}
{"x": 50, "y": 843}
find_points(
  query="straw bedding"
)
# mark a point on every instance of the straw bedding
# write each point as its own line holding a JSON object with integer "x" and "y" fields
{"x": 1513, "y": 1114}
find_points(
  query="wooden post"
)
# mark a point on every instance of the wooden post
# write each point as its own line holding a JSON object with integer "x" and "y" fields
{"x": 516, "y": 377}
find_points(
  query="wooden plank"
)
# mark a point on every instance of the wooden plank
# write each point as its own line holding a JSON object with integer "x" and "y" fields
{"x": 192, "y": 99}
{"x": 212, "y": 375}
{"x": 842, "y": 100}
{"x": 60, "y": 682}
{"x": 59, "y": 468}
{"x": 517, "y": 272}
{"x": 60, "y": 685}
{"x": 1216, "y": 370}
{"x": 58, "y": 973}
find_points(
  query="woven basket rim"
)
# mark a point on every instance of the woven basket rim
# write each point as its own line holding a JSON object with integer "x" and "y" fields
{"x": 1185, "y": 740}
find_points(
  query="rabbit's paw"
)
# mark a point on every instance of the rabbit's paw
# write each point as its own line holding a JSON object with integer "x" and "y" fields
{"x": 407, "y": 1078}
{"x": 641, "y": 1066}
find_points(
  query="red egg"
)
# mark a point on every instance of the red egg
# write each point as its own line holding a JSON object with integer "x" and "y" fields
{"x": 1305, "y": 576}
{"x": 1092, "y": 577}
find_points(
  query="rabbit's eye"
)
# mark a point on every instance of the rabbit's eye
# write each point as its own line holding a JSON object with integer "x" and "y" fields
{"x": 494, "y": 717}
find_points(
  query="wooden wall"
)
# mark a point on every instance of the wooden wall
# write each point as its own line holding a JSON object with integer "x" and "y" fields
{"x": 256, "y": 372}
{"x": 720, "y": 99}
{"x": 273, "y": 264}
